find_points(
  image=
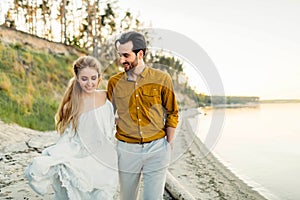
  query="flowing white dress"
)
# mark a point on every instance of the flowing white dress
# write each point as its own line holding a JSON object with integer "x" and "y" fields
{"x": 82, "y": 164}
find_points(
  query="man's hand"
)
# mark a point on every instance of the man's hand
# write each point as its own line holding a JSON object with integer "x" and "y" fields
{"x": 116, "y": 118}
{"x": 170, "y": 136}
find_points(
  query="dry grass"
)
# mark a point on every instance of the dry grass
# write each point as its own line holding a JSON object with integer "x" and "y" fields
{"x": 5, "y": 83}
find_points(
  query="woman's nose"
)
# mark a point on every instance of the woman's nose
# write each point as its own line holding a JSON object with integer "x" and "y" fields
{"x": 89, "y": 82}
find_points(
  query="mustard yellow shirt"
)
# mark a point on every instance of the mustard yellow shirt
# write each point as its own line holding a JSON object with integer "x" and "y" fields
{"x": 145, "y": 107}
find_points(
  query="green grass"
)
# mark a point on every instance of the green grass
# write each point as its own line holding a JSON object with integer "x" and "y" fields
{"x": 31, "y": 85}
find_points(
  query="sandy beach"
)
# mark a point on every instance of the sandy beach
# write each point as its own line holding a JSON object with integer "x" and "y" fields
{"x": 192, "y": 175}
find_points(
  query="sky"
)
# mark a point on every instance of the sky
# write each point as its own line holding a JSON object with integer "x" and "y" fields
{"x": 254, "y": 44}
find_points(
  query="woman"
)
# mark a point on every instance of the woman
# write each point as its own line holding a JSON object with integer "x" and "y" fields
{"x": 83, "y": 163}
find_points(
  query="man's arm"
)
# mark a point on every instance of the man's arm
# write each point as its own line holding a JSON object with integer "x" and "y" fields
{"x": 171, "y": 107}
{"x": 110, "y": 88}
{"x": 169, "y": 103}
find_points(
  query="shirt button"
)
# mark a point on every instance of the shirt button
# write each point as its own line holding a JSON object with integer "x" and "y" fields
{"x": 136, "y": 95}
{"x": 137, "y": 107}
{"x": 140, "y": 120}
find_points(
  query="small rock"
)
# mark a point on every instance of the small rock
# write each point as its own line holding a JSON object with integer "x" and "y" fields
{"x": 8, "y": 157}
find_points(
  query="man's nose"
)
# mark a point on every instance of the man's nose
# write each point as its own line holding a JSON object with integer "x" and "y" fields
{"x": 122, "y": 59}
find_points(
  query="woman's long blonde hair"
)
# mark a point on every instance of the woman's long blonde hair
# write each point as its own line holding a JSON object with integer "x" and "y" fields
{"x": 69, "y": 108}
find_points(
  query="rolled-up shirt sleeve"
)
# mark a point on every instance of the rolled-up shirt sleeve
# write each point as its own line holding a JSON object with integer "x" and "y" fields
{"x": 170, "y": 103}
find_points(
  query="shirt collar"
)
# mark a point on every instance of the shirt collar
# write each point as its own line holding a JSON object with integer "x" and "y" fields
{"x": 143, "y": 74}
{"x": 125, "y": 77}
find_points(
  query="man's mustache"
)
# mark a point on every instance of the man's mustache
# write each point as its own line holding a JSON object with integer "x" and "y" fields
{"x": 125, "y": 63}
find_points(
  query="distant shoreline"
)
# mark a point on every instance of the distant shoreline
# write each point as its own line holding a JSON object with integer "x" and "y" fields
{"x": 280, "y": 101}
{"x": 251, "y": 104}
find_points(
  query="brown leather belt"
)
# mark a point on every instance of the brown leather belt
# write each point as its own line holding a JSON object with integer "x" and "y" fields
{"x": 136, "y": 142}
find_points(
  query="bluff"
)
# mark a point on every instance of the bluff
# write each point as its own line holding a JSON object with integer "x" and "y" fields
{"x": 33, "y": 75}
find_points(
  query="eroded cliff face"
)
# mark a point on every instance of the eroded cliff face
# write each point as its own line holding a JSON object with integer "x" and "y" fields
{"x": 11, "y": 36}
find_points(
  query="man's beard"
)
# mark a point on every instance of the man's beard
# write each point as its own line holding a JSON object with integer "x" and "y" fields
{"x": 132, "y": 65}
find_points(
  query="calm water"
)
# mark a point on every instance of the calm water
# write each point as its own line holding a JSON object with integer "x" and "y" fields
{"x": 261, "y": 145}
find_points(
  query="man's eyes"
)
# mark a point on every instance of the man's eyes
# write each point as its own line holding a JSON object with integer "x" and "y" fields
{"x": 126, "y": 55}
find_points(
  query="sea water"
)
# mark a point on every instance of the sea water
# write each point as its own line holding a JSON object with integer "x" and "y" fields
{"x": 262, "y": 145}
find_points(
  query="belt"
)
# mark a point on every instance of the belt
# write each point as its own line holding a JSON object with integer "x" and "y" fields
{"x": 136, "y": 142}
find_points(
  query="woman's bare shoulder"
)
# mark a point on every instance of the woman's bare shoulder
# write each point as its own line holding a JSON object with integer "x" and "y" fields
{"x": 101, "y": 96}
{"x": 102, "y": 93}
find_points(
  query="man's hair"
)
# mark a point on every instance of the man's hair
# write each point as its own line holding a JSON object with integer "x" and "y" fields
{"x": 138, "y": 41}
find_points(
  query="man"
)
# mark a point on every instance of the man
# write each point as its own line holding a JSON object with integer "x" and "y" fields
{"x": 147, "y": 112}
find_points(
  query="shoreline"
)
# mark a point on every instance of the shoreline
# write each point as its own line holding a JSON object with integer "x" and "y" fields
{"x": 248, "y": 181}
{"x": 203, "y": 175}
{"x": 191, "y": 175}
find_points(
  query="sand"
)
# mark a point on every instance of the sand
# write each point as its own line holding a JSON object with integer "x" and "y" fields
{"x": 192, "y": 173}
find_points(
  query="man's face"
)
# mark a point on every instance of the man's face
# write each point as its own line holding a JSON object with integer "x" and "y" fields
{"x": 128, "y": 59}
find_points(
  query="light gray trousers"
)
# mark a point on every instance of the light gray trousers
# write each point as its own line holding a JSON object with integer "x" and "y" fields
{"x": 151, "y": 160}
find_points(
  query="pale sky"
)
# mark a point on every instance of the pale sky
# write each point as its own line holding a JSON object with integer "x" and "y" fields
{"x": 254, "y": 44}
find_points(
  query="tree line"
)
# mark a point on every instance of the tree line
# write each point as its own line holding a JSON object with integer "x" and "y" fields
{"x": 86, "y": 24}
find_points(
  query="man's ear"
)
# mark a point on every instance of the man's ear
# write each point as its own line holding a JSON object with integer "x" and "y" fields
{"x": 140, "y": 54}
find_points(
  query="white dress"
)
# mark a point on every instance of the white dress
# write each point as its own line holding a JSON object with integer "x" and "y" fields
{"x": 81, "y": 165}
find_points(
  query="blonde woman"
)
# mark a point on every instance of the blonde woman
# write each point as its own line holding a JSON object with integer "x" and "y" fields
{"x": 83, "y": 163}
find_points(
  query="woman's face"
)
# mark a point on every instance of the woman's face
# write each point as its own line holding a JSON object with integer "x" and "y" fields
{"x": 88, "y": 79}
